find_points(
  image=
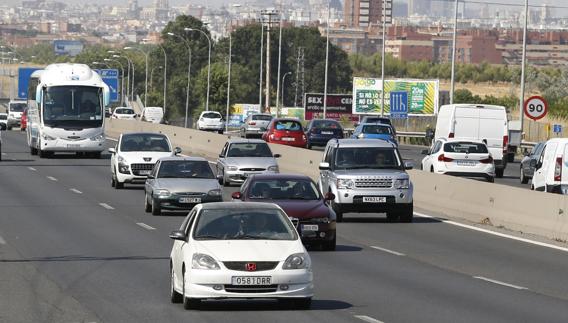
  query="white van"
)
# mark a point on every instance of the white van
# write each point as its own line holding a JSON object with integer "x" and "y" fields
{"x": 15, "y": 110}
{"x": 487, "y": 123}
{"x": 551, "y": 169}
{"x": 152, "y": 114}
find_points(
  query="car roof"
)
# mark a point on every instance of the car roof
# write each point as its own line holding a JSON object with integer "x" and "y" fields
{"x": 285, "y": 119}
{"x": 247, "y": 141}
{"x": 189, "y": 158}
{"x": 376, "y": 124}
{"x": 280, "y": 176}
{"x": 143, "y": 133}
{"x": 356, "y": 143}
{"x": 239, "y": 206}
{"x": 260, "y": 114}
{"x": 461, "y": 140}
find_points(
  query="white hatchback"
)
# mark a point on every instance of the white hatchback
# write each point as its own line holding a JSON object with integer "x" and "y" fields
{"x": 239, "y": 251}
{"x": 468, "y": 158}
{"x": 211, "y": 121}
{"x": 123, "y": 113}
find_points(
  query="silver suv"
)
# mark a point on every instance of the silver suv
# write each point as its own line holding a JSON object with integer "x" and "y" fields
{"x": 367, "y": 176}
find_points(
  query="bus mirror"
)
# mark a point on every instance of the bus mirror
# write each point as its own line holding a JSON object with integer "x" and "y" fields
{"x": 38, "y": 95}
{"x": 106, "y": 96}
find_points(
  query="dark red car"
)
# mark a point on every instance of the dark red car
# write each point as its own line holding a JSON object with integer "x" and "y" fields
{"x": 24, "y": 120}
{"x": 300, "y": 198}
{"x": 285, "y": 131}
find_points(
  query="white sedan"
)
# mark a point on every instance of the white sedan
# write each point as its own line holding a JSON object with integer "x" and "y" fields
{"x": 124, "y": 114}
{"x": 241, "y": 251}
{"x": 459, "y": 157}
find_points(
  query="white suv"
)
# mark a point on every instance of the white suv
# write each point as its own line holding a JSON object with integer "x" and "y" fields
{"x": 135, "y": 155}
{"x": 212, "y": 121}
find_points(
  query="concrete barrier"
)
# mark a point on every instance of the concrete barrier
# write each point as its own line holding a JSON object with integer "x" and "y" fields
{"x": 513, "y": 208}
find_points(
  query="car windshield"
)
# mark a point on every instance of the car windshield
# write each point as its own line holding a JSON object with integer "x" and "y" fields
{"x": 376, "y": 129}
{"x": 212, "y": 115}
{"x": 288, "y": 125}
{"x": 144, "y": 142}
{"x": 465, "y": 148}
{"x": 124, "y": 111}
{"x": 283, "y": 189}
{"x": 326, "y": 124}
{"x": 185, "y": 169}
{"x": 367, "y": 158}
{"x": 261, "y": 117}
{"x": 17, "y": 107}
{"x": 243, "y": 224}
{"x": 249, "y": 150}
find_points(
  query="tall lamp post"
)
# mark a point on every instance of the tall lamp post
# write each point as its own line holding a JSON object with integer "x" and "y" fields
{"x": 326, "y": 61}
{"x": 208, "y": 64}
{"x": 146, "y": 81}
{"x": 186, "y": 42}
{"x": 524, "y": 64}
{"x": 284, "y": 85}
{"x": 229, "y": 83}
{"x": 454, "y": 40}
{"x": 122, "y": 81}
{"x": 165, "y": 74}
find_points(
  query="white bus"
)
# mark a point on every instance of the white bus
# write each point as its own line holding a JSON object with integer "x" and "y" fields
{"x": 66, "y": 110}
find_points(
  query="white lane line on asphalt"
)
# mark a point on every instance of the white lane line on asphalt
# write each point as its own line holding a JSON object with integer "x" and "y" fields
{"x": 2, "y": 241}
{"x": 367, "y": 319}
{"x": 502, "y": 235}
{"x": 500, "y": 283}
{"x": 51, "y": 178}
{"x": 106, "y": 206}
{"x": 74, "y": 190}
{"x": 396, "y": 253}
{"x": 32, "y": 169}
{"x": 145, "y": 226}
{"x": 4, "y": 154}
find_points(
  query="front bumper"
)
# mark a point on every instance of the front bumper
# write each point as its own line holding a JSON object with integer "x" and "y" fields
{"x": 173, "y": 202}
{"x": 239, "y": 176}
{"x": 351, "y": 200}
{"x": 61, "y": 145}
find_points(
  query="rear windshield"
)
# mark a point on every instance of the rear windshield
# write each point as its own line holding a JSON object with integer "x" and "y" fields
{"x": 288, "y": 125}
{"x": 326, "y": 124}
{"x": 377, "y": 129}
{"x": 249, "y": 150}
{"x": 376, "y": 120}
{"x": 185, "y": 169}
{"x": 17, "y": 107}
{"x": 144, "y": 142}
{"x": 124, "y": 111}
{"x": 465, "y": 148}
{"x": 261, "y": 117}
{"x": 212, "y": 115}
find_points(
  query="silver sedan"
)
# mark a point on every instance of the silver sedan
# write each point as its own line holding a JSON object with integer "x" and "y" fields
{"x": 180, "y": 184}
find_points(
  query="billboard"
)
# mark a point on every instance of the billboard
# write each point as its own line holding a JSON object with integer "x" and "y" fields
{"x": 67, "y": 47}
{"x": 416, "y": 97}
{"x": 297, "y": 113}
{"x": 239, "y": 112}
{"x": 24, "y": 74}
{"x": 110, "y": 77}
{"x": 338, "y": 105}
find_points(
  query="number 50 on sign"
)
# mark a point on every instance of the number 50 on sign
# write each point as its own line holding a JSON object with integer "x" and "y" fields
{"x": 536, "y": 107}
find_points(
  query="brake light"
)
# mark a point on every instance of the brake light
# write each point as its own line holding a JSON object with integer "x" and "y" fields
{"x": 558, "y": 169}
{"x": 505, "y": 143}
{"x": 487, "y": 160}
{"x": 443, "y": 158}
{"x": 451, "y": 135}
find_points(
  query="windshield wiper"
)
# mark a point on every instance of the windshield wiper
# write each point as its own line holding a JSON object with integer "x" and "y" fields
{"x": 299, "y": 198}
{"x": 208, "y": 237}
{"x": 251, "y": 237}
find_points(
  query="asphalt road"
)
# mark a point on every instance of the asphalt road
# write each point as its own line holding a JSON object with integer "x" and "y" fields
{"x": 73, "y": 249}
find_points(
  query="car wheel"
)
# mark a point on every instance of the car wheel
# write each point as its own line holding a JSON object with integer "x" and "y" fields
{"x": 499, "y": 172}
{"x": 147, "y": 206}
{"x": 226, "y": 183}
{"x": 220, "y": 132}
{"x": 156, "y": 209}
{"x": 524, "y": 179}
{"x": 9, "y": 128}
{"x": 112, "y": 181}
{"x": 189, "y": 303}
{"x": 330, "y": 245}
{"x": 33, "y": 151}
{"x": 175, "y": 297}
{"x": 118, "y": 185}
{"x": 42, "y": 153}
{"x": 338, "y": 213}
{"x": 407, "y": 214}
{"x": 309, "y": 145}
{"x": 491, "y": 179}
{"x": 432, "y": 169}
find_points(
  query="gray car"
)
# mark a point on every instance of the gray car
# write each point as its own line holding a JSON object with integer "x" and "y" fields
{"x": 243, "y": 157}
{"x": 255, "y": 124}
{"x": 526, "y": 170}
{"x": 179, "y": 184}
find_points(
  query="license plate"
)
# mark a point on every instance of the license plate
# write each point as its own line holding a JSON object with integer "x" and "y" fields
{"x": 465, "y": 163}
{"x": 374, "y": 199}
{"x": 288, "y": 139}
{"x": 144, "y": 172}
{"x": 310, "y": 227}
{"x": 190, "y": 200}
{"x": 327, "y": 133}
{"x": 73, "y": 145}
{"x": 251, "y": 280}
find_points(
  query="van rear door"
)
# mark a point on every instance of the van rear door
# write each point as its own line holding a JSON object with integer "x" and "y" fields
{"x": 466, "y": 123}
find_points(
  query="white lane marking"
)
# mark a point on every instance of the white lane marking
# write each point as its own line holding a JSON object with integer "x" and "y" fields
{"x": 51, "y": 178}
{"x": 502, "y": 235}
{"x": 500, "y": 283}
{"x": 145, "y": 226}
{"x": 367, "y": 319}
{"x": 106, "y": 206}
{"x": 4, "y": 154}
{"x": 396, "y": 253}
{"x": 2, "y": 241}
{"x": 32, "y": 169}
{"x": 74, "y": 190}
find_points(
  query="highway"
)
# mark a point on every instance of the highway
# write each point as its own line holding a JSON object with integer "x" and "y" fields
{"x": 73, "y": 249}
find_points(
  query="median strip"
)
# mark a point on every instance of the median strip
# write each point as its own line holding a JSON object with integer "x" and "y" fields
{"x": 106, "y": 206}
{"x": 396, "y": 253}
{"x": 145, "y": 226}
{"x": 367, "y": 319}
{"x": 500, "y": 283}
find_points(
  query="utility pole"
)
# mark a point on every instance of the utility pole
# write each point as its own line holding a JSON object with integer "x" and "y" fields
{"x": 270, "y": 14}
{"x": 261, "y": 62}
{"x": 523, "y": 67}
{"x": 454, "y": 43}
{"x": 279, "y": 58}
{"x": 326, "y": 60}
{"x": 386, "y": 15}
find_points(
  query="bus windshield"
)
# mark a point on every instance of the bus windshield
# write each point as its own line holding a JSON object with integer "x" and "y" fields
{"x": 75, "y": 106}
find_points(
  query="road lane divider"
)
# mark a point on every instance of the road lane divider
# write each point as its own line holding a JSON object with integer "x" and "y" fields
{"x": 500, "y": 283}
{"x": 392, "y": 252}
{"x": 74, "y": 190}
{"x": 367, "y": 319}
{"x": 106, "y": 206}
{"x": 145, "y": 226}
{"x": 51, "y": 178}
{"x": 2, "y": 241}
{"x": 32, "y": 169}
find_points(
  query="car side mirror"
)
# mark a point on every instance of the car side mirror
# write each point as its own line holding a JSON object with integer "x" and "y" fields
{"x": 277, "y": 155}
{"x": 178, "y": 235}
{"x": 112, "y": 150}
{"x": 408, "y": 165}
{"x": 177, "y": 151}
{"x": 221, "y": 156}
{"x": 236, "y": 196}
{"x": 425, "y": 152}
{"x": 324, "y": 166}
{"x": 329, "y": 196}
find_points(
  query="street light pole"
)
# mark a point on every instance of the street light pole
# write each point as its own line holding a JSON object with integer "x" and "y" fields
{"x": 165, "y": 75}
{"x": 279, "y": 56}
{"x": 523, "y": 67}
{"x": 384, "y": 21}
{"x": 122, "y": 81}
{"x": 454, "y": 43}
{"x": 188, "y": 74}
{"x": 146, "y": 81}
{"x": 229, "y": 83}
{"x": 208, "y": 64}
{"x": 284, "y": 86}
{"x": 326, "y": 61}
{"x": 261, "y": 62}
{"x": 152, "y": 75}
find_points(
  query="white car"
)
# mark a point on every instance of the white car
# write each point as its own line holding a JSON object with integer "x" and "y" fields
{"x": 469, "y": 158}
{"x": 3, "y": 121}
{"x": 551, "y": 167}
{"x": 240, "y": 251}
{"x": 211, "y": 121}
{"x": 135, "y": 155}
{"x": 123, "y": 113}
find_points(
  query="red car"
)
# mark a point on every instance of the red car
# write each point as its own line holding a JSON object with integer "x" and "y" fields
{"x": 285, "y": 131}
{"x": 300, "y": 198}
{"x": 24, "y": 120}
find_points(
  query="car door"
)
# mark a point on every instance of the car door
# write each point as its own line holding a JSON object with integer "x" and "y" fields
{"x": 221, "y": 160}
{"x": 150, "y": 184}
{"x": 324, "y": 174}
{"x": 432, "y": 158}
{"x": 544, "y": 162}
{"x": 179, "y": 246}
{"x": 114, "y": 156}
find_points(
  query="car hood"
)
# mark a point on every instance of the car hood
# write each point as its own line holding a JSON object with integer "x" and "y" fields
{"x": 251, "y": 162}
{"x": 249, "y": 250}
{"x": 187, "y": 185}
{"x": 144, "y": 156}
{"x": 370, "y": 172}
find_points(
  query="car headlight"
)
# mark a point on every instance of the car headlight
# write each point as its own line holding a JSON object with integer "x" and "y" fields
{"x": 98, "y": 137}
{"x": 162, "y": 193}
{"x": 203, "y": 261}
{"x": 361, "y": 136}
{"x": 402, "y": 183}
{"x": 48, "y": 137}
{"x": 215, "y": 192}
{"x": 232, "y": 168}
{"x": 320, "y": 220}
{"x": 273, "y": 168}
{"x": 345, "y": 183}
{"x": 296, "y": 261}
{"x": 120, "y": 159}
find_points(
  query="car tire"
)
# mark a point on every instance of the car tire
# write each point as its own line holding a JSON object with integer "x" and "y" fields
{"x": 220, "y": 132}
{"x": 118, "y": 185}
{"x": 155, "y": 208}
{"x": 524, "y": 179}
{"x": 9, "y": 128}
{"x": 33, "y": 151}
{"x": 499, "y": 172}
{"x": 112, "y": 181}
{"x": 338, "y": 213}
{"x": 42, "y": 153}
{"x": 175, "y": 297}
{"x": 491, "y": 179}
{"x": 147, "y": 206}
{"x": 309, "y": 145}
{"x": 329, "y": 245}
{"x": 407, "y": 214}
{"x": 189, "y": 303}
{"x": 226, "y": 183}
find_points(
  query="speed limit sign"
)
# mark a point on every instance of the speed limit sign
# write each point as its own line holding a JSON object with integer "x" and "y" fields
{"x": 536, "y": 107}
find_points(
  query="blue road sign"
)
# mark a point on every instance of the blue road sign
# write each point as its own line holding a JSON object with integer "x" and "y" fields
{"x": 557, "y": 128}
{"x": 24, "y": 74}
{"x": 399, "y": 105}
{"x": 110, "y": 77}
